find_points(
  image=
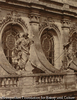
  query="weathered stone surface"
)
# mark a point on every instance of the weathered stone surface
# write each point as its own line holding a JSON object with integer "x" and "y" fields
{"x": 22, "y": 24}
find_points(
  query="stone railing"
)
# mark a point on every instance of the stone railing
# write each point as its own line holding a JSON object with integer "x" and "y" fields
{"x": 48, "y": 79}
{"x": 7, "y": 81}
{"x": 38, "y": 84}
{"x": 36, "y": 79}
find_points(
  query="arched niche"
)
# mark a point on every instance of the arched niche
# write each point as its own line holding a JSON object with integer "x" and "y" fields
{"x": 9, "y": 33}
{"x": 9, "y": 37}
{"x": 73, "y": 40}
{"x": 54, "y": 34}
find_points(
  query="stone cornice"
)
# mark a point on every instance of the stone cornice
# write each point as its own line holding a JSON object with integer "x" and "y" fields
{"x": 56, "y": 6}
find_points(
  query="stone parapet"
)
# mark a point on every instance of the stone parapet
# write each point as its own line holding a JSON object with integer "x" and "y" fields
{"x": 37, "y": 85}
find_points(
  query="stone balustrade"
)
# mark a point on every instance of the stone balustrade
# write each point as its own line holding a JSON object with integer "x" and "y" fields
{"x": 8, "y": 81}
{"x": 36, "y": 84}
{"x": 48, "y": 79}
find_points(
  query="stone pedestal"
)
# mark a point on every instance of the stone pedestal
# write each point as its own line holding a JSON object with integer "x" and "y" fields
{"x": 69, "y": 80}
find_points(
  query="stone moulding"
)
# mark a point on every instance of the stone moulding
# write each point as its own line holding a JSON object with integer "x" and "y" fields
{"x": 37, "y": 85}
{"x": 45, "y": 6}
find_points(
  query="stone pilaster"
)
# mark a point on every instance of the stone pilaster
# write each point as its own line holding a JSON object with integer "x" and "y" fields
{"x": 65, "y": 38}
{"x": 65, "y": 28}
{"x": 41, "y": 62}
{"x": 34, "y": 22}
{"x": 70, "y": 80}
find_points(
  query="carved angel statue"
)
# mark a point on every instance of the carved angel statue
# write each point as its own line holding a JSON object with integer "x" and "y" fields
{"x": 70, "y": 61}
{"x": 21, "y": 52}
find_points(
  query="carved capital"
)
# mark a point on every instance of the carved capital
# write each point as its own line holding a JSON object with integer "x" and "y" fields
{"x": 34, "y": 18}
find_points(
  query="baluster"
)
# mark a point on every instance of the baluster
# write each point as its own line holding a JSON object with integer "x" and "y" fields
{"x": 46, "y": 79}
{"x": 54, "y": 79}
{"x": 43, "y": 80}
{"x": 11, "y": 82}
{"x": 50, "y": 79}
{"x": 4, "y": 82}
{"x": 7, "y": 82}
{"x": 58, "y": 79}
{"x": 15, "y": 82}
{"x": 39, "y": 80}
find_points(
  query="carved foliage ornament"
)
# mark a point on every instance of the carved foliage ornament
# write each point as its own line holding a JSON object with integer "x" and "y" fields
{"x": 46, "y": 22}
{"x": 14, "y": 18}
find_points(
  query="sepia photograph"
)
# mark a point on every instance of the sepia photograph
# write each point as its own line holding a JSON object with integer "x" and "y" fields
{"x": 38, "y": 49}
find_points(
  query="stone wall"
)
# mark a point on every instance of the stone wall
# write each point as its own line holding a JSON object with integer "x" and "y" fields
{"x": 33, "y": 17}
